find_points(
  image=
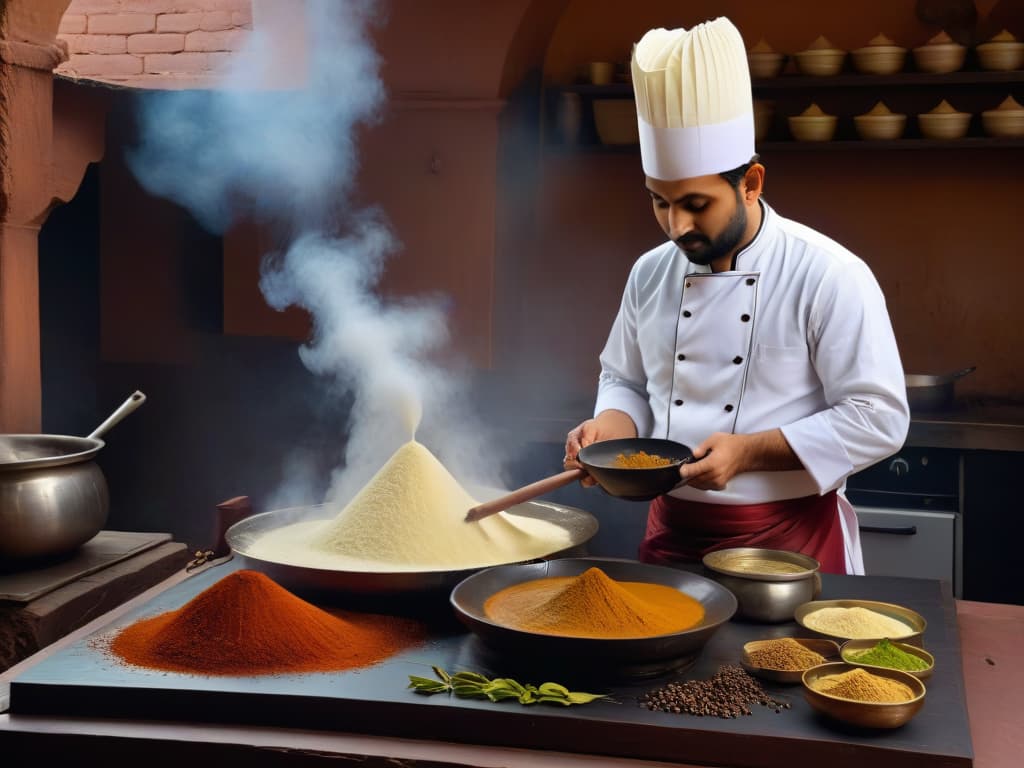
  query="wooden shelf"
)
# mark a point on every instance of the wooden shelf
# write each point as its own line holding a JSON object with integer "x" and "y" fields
{"x": 767, "y": 147}
{"x": 843, "y": 80}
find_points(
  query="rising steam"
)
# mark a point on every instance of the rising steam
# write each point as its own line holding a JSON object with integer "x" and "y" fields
{"x": 285, "y": 155}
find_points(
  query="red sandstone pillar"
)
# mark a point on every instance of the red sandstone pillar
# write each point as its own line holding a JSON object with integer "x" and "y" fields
{"x": 29, "y": 188}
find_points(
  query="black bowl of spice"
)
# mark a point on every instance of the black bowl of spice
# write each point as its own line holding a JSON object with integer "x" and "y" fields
{"x": 636, "y": 468}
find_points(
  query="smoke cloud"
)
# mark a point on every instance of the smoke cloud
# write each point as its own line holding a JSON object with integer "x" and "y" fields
{"x": 287, "y": 158}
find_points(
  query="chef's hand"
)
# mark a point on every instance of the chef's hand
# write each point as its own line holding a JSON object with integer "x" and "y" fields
{"x": 716, "y": 461}
{"x": 723, "y": 456}
{"x": 607, "y": 425}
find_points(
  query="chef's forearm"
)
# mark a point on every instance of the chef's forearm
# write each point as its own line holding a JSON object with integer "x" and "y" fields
{"x": 769, "y": 451}
{"x": 615, "y": 423}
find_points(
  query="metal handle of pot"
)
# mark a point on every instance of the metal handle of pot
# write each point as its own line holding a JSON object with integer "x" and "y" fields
{"x": 134, "y": 401}
{"x": 961, "y": 374}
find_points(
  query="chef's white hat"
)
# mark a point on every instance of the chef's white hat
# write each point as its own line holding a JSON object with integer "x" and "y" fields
{"x": 693, "y": 100}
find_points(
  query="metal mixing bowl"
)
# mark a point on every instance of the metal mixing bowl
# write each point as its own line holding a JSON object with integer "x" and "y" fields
{"x": 767, "y": 597}
{"x": 638, "y": 657}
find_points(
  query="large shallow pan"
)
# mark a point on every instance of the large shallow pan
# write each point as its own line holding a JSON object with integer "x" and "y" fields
{"x": 932, "y": 393}
{"x": 581, "y": 527}
{"x": 641, "y": 656}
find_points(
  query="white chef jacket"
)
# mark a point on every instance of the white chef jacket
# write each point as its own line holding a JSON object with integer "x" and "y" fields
{"x": 796, "y": 337}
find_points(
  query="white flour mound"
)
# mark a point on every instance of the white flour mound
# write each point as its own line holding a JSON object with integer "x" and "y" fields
{"x": 410, "y": 517}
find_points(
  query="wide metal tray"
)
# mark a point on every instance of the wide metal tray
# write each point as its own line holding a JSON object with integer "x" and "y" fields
{"x": 580, "y": 525}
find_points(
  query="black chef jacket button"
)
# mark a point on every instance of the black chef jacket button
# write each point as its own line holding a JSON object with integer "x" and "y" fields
{"x": 737, "y": 359}
{"x": 686, "y": 313}
{"x": 682, "y": 357}
{"x": 688, "y": 283}
{"x": 679, "y": 402}
{"x": 750, "y": 281}
{"x": 728, "y": 408}
{"x": 745, "y": 318}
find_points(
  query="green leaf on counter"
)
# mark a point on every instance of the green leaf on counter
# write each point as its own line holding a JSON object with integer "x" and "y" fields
{"x": 475, "y": 685}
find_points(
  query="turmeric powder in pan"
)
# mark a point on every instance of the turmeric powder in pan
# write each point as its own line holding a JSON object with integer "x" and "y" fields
{"x": 641, "y": 460}
{"x": 594, "y": 605}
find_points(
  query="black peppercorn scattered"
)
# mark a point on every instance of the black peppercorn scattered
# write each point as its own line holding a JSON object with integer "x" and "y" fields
{"x": 727, "y": 694}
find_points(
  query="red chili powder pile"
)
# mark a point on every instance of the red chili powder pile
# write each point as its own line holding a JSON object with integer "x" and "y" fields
{"x": 246, "y": 624}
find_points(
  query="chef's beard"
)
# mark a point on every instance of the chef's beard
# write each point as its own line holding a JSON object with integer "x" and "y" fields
{"x": 702, "y": 250}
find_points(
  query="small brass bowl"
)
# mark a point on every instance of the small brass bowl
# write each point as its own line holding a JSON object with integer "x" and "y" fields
{"x": 866, "y": 645}
{"x": 866, "y": 714}
{"x": 813, "y": 127}
{"x": 827, "y": 648}
{"x": 820, "y": 62}
{"x": 914, "y": 621}
{"x": 767, "y": 64}
{"x": 939, "y": 58}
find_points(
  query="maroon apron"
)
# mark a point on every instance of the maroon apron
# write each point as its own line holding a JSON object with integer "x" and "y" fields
{"x": 684, "y": 531}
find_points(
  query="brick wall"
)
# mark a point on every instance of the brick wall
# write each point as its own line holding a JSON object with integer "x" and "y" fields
{"x": 153, "y": 43}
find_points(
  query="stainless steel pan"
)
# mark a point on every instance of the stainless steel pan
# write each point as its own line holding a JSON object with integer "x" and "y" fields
{"x": 581, "y": 527}
{"x": 932, "y": 393}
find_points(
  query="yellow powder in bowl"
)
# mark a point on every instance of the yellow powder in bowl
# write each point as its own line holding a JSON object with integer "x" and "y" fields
{"x": 860, "y": 685}
{"x": 856, "y": 623}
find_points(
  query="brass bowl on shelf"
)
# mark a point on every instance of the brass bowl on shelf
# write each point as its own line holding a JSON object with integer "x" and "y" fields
{"x": 1004, "y": 123}
{"x": 880, "y": 127}
{"x": 813, "y": 127}
{"x": 866, "y": 714}
{"x": 1001, "y": 55}
{"x": 820, "y": 62}
{"x": 850, "y": 648}
{"x": 616, "y": 121}
{"x": 879, "y": 59}
{"x": 940, "y": 58}
{"x": 765, "y": 64}
{"x": 946, "y": 125}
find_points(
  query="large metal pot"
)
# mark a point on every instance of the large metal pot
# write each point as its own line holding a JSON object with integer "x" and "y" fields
{"x": 53, "y": 496}
{"x": 932, "y": 393}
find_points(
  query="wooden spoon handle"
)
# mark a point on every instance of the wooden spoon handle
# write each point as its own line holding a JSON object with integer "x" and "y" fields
{"x": 525, "y": 493}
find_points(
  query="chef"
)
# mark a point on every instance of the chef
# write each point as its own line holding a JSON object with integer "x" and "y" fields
{"x": 759, "y": 342}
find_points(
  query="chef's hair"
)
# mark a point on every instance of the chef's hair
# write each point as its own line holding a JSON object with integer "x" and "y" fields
{"x": 735, "y": 176}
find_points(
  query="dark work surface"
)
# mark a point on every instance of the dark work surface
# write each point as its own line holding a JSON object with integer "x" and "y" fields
{"x": 81, "y": 681}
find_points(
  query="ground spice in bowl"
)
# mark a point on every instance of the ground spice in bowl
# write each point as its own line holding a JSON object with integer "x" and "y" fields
{"x": 641, "y": 460}
{"x": 886, "y": 654}
{"x": 860, "y": 685}
{"x": 729, "y": 693}
{"x": 246, "y": 624}
{"x": 784, "y": 654}
{"x": 856, "y": 623}
{"x": 593, "y": 605}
